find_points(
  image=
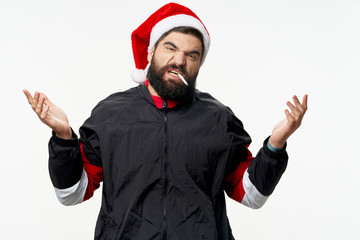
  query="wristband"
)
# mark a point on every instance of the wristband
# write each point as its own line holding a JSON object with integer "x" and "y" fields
{"x": 273, "y": 148}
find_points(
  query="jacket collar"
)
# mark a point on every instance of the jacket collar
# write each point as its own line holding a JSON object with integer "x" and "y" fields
{"x": 159, "y": 102}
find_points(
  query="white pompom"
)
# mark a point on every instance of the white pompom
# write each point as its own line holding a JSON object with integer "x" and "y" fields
{"x": 138, "y": 75}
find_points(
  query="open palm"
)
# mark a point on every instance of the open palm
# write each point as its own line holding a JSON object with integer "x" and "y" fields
{"x": 49, "y": 114}
{"x": 288, "y": 125}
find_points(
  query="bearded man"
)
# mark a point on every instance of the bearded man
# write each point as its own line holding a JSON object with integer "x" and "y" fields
{"x": 165, "y": 152}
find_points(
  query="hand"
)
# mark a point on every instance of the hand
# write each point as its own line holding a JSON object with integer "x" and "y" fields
{"x": 288, "y": 125}
{"x": 50, "y": 114}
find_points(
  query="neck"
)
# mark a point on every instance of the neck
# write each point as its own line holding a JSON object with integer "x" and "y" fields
{"x": 152, "y": 91}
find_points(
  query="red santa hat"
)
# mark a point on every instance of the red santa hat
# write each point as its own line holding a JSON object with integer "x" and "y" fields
{"x": 144, "y": 38}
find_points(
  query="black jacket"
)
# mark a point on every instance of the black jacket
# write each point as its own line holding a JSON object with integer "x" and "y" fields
{"x": 164, "y": 170}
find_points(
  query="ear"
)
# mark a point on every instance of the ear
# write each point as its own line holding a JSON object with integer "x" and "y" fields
{"x": 150, "y": 54}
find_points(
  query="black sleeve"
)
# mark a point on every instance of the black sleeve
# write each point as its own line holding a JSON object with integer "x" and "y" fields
{"x": 65, "y": 156}
{"x": 267, "y": 168}
{"x": 65, "y": 163}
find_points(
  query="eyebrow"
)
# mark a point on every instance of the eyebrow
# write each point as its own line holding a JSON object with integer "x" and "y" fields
{"x": 188, "y": 52}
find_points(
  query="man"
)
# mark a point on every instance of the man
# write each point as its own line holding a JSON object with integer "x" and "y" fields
{"x": 164, "y": 151}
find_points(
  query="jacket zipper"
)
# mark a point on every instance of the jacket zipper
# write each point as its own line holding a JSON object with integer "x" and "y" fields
{"x": 164, "y": 169}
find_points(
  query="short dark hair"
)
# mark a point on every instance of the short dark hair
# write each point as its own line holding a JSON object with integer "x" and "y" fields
{"x": 187, "y": 30}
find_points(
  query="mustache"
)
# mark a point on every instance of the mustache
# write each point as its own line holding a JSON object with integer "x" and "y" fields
{"x": 174, "y": 66}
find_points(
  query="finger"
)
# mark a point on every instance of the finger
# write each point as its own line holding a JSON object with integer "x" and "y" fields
{"x": 28, "y": 96}
{"x": 292, "y": 108}
{"x": 289, "y": 116}
{"x": 304, "y": 102}
{"x": 297, "y": 103}
{"x": 35, "y": 100}
{"x": 47, "y": 100}
{"x": 44, "y": 113}
{"x": 40, "y": 105}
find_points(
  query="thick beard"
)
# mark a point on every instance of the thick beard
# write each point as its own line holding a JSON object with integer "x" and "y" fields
{"x": 171, "y": 90}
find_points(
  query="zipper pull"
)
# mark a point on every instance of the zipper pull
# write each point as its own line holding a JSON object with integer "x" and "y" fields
{"x": 165, "y": 105}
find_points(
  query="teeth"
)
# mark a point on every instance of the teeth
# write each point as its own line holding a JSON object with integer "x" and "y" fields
{"x": 174, "y": 73}
{"x": 179, "y": 75}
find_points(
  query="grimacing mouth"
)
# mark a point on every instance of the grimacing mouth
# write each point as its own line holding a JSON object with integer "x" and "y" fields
{"x": 175, "y": 73}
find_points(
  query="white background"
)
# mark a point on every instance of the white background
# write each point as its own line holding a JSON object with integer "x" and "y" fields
{"x": 262, "y": 53}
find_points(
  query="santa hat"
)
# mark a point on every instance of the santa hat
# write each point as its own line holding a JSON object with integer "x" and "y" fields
{"x": 148, "y": 33}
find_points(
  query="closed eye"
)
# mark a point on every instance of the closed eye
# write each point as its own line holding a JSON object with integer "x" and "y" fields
{"x": 170, "y": 46}
{"x": 192, "y": 56}
{"x": 171, "y": 49}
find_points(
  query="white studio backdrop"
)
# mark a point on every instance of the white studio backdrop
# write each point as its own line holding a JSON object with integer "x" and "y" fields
{"x": 262, "y": 53}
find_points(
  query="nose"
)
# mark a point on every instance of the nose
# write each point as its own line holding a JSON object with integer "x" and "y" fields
{"x": 179, "y": 58}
